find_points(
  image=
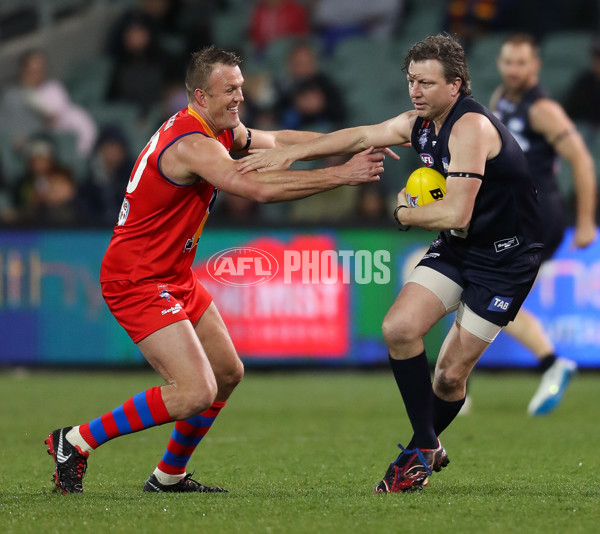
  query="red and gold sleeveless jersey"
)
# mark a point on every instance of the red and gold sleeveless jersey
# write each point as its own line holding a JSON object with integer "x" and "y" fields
{"x": 160, "y": 221}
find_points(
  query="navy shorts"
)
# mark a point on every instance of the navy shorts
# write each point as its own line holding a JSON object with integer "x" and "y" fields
{"x": 494, "y": 293}
{"x": 553, "y": 211}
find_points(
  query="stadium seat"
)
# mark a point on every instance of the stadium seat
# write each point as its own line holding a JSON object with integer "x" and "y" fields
{"x": 87, "y": 81}
{"x": 423, "y": 19}
{"x": 230, "y": 29}
{"x": 275, "y": 55}
{"x": 564, "y": 56}
{"x": 125, "y": 116}
{"x": 484, "y": 52}
{"x": 567, "y": 49}
{"x": 374, "y": 91}
{"x": 11, "y": 160}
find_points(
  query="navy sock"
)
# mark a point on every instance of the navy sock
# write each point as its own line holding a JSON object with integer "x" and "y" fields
{"x": 546, "y": 362}
{"x": 414, "y": 382}
{"x": 444, "y": 412}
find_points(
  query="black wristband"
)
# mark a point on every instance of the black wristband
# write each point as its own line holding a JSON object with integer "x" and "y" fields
{"x": 465, "y": 175}
{"x": 402, "y": 227}
{"x": 248, "y": 139}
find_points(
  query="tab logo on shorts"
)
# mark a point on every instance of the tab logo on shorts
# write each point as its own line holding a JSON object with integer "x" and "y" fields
{"x": 505, "y": 244}
{"x": 500, "y": 304}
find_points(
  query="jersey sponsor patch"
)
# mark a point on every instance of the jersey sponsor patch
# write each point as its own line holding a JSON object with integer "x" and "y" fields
{"x": 445, "y": 164}
{"x": 123, "y": 214}
{"x": 424, "y": 134}
{"x": 163, "y": 292}
{"x": 505, "y": 244}
{"x": 427, "y": 159}
{"x": 500, "y": 304}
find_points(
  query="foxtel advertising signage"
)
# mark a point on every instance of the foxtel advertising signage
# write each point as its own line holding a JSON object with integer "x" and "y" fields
{"x": 315, "y": 297}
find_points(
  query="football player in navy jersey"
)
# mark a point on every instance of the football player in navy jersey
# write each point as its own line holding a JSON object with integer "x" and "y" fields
{"x": 484, "y": 260}
{"x": 544, "y": 132}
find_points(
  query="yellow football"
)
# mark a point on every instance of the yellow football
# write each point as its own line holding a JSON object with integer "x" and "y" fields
{"x": 425, "y": 185}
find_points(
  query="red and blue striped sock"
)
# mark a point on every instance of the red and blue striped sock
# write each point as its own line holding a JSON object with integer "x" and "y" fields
{"x": 185, "y": 438}
{"x": 144, "y": 410}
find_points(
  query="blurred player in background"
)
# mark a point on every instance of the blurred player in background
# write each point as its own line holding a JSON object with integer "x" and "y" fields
{"x": 483, "y": 262}
{"x": 146, "y": 274}
{"x": 544, "y": 132}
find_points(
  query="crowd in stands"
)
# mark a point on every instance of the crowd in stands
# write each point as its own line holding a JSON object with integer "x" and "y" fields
{"x": 69, "y": 165}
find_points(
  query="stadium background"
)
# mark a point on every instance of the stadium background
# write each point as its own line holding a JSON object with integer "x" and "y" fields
{"x": 51, "y": 311}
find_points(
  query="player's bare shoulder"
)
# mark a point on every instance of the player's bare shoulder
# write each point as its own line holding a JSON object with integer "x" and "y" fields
{"x": 183, "y": 162}
{"x": 475, "y": 131}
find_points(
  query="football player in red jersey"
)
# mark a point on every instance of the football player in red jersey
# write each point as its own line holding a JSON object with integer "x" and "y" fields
{"x": 146, "y": 273}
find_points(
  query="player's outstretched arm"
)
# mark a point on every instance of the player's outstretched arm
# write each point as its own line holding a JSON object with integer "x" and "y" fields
{"x": 198, "y": 156}
{"x": 394, "y": 131}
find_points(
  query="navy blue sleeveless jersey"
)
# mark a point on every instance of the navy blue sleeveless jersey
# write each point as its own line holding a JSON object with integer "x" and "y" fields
{"x": 543, "y": 164}
{"x": 505, "y": 221}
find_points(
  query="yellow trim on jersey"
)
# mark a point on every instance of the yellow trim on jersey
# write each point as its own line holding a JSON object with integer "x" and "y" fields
{"x": 202, "y": 121}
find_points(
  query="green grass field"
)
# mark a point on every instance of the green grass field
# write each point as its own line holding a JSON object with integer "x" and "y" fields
{"x": 301, "y": 452}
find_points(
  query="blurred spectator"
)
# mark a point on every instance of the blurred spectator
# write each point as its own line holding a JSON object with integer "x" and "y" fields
{"x": 141, "y": 69}
{"x": 7, "y": 212}
{"x": 308, "y": 109}
{"x": 160, "y": 15}
{"x": 103, "y": 190}
{"x": 371, "y": 206}
{"x": 335, "y": 20}
{"x": 259, "y": 101}
{"x": 332, "y": 207}
{"x": 308, "y": 98}
{"x": 582, "y": 103}
{"x": 470, "y": 19}
{"x": 477, "y": 17}
{"x": 37, "y": 103}
{"x": 46, "y": 194}
{"x": 195, "y": 22}
{"x": 276, "y": 19}
{"x": 231, "y": 210}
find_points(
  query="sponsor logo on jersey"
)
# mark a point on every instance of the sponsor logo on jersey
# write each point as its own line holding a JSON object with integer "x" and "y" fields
{"x": 124, "y": 213}
{"x": 424, "y": 134}
{"x": 500, "y": 304}
{"x": 173, "y": 309}
{"x": 436, "y": 242}
{"x": 427, "y": 159}
{"x": 505, "y": 244}
{"x": 432, "y": 255}
{"x": 193, "y": 241}
{"x": 163, "y": 292}
{"x": 446, "y": 164}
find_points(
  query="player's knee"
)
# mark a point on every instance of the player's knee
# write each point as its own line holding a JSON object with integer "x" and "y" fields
{"x": 397, "y": 331}
{"x": 449, "y": 381}
{"x": 232, "y": 376}
{"x": 199, "y": 399}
